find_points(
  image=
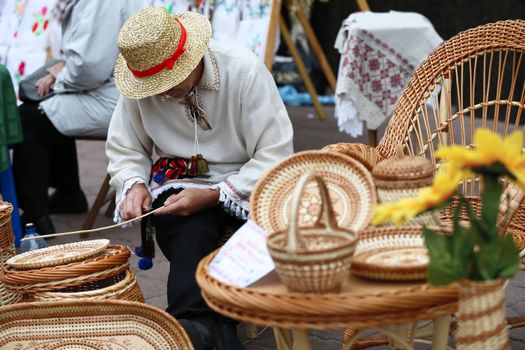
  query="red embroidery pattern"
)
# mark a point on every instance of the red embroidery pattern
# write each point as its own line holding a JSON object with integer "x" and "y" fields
{"x": 368, "y": 62}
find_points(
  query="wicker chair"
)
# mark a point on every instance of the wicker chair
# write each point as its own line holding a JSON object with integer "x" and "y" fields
{"x": 475, "y": 79}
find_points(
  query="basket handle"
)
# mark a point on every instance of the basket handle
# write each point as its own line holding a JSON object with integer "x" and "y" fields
{"x": 327, "y": 213}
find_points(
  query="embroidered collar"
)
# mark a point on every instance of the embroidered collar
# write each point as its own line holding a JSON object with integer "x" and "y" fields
{"x": 210, "y": 75}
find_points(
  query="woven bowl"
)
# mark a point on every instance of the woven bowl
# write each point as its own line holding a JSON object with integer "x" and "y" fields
{"x": 314, "y": 259}
{"x": 57, "y": 255}
{"x": 391, "y": 254}
{"x": 350, "y": 186}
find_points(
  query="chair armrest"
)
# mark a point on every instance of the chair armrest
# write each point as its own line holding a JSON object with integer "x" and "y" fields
{"x": 367, "y": 155}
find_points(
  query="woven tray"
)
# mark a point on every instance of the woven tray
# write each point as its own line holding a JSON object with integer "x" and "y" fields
{"x": 361, "y": 303}
{"x": 104, "y": 324}
{"x": 349, "y": 183}
{"x": 391, "y": 254}
{"x": 58, "y": 255}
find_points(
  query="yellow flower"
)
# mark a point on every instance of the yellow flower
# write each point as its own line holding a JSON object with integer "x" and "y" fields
{"x": 490, "y": 148}
{"x": 443, "y": 187}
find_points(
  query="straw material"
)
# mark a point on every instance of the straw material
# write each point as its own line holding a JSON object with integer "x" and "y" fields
{"x": 314, "y": 259}
{"x": 103, "y": 276}
{"x": 360, "y": 303}
{"x": 7, "y": 250}
{"x": 149, "y": 38}
{"x": 122, "y": 287}
{"x": 112, "y": 325}
{"x": 350, "y": 186}
{"x": 58, "y": 254}
{"x": 367, "y": 155}
{"x": 481, "y": 316}
{"x": 391, "y": 254}
{"x": 6, "y": 229}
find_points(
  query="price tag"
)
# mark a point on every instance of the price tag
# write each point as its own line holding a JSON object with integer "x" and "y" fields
{"x": 244, "y": 258}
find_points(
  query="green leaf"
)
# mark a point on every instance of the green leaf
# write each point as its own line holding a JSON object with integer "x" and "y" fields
{"x": 448, "y": 257}
{"x": 499, "y": 258}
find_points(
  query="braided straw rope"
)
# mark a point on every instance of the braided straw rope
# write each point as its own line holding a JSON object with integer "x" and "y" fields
{"x": 360, "y": 303}
{"x": 481, "y": 316}
{"x": 125, "y": 289}
{"x": 90, "y": 324}
{"x": 397, "y": 242}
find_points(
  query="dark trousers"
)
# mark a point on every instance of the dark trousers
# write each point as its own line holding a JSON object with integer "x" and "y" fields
{"x": 46, "y": 158}
{"x": 185, "y": 241}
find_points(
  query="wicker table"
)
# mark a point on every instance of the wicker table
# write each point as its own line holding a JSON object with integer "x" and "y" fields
{"x": 360, "y": 304}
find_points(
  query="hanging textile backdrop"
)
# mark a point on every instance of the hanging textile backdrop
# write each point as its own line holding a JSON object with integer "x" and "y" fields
{"x": 30, "y": 29}
{"x": 27, "y": 32}
{"x": 243, "y": 22}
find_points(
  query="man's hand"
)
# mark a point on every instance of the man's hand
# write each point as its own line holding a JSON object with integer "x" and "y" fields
{"x": 55, "y": 69}
{"x": 189, "y": 201}
{"x": 44, "y": 85}
{"x": 137, "y": 199}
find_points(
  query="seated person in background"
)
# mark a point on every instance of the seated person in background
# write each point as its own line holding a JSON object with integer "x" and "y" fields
{"x": 213, "y": 115}
{"x": 84, "y": 100}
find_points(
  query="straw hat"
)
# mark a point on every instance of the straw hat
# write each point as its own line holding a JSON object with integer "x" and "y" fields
{"x": 159, "y": 51}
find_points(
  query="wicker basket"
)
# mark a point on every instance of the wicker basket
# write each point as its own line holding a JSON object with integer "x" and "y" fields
{"x": 90, "y": 324}
{"x": 105, "y": 275}
{"x": 391, "y": 254}
{"x": 401, "y": 177}
{"x": 481, "y": 315}
{"x": 7, "y": 250}
{"x": 123, "y": 286}
{"x": 314, "y": 259}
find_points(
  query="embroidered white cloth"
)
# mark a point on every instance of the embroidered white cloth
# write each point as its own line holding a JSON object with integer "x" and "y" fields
{"x": 379, "y": 54}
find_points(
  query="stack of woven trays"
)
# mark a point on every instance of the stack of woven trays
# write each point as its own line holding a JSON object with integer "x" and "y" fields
{"x": 7, "y": 250}
{"x": 83, "y": 270}
{"x": 402, "y": 177}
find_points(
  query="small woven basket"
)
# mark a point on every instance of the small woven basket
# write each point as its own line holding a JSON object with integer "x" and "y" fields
{"x": 7, "y": 250}
{"x": 312, "y": 259}
{"x": 401, "y": 177}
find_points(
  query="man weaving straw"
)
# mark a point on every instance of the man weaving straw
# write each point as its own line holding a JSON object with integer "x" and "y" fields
{"x": 213, "y": 116}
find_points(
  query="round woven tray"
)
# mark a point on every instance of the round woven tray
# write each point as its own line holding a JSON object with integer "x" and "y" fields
{"x": 349, "y": 183}
{"x": 58, "y": 255}
{"x": 89, "y": 324}
{"x": 361, "y": 303}
{"x": 391, "y": 254}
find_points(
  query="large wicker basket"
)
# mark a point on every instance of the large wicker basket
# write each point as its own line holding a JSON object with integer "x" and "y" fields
{"x": 314, "y": 259}
{"x": 105, "y": 275}
{"x": 7, "y": 250}
{"x": 90, "y": 324}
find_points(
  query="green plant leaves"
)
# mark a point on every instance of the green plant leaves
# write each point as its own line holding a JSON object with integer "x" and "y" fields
{"x": 476, "y": 252}
{"x": 449, "y": 256}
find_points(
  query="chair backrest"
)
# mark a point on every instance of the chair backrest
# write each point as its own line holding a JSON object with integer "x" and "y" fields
{"x": 474, "y": 79}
